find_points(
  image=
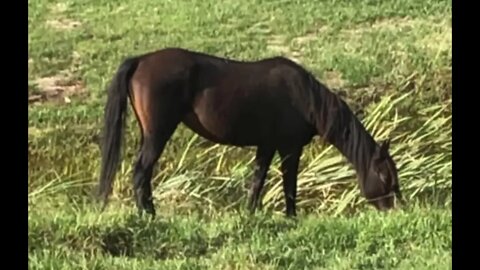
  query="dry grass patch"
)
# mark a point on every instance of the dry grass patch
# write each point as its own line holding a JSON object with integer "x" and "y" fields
{"x": 278, "y": 44}
{"x": 59, "y": 8}
{"x": 333, "y": 79}
{"x": 63, "y": 24}
{"x": 59, "y": 22}
{"x": 58, "y": 89}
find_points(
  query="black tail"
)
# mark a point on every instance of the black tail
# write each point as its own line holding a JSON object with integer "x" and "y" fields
{"x": 114, "y": 121}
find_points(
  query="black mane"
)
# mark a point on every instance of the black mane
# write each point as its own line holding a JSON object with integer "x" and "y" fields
{"x": 338, "y": 125}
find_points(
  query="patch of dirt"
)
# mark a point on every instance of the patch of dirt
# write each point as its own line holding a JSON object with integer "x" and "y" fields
{"x": 58, "y": 89}
{"x": 393, "y": 23}
{"x": 437, "y": 41}
{"x": 59, "y": 8}
{"x": 63, "y": 24}
{"x": 278, "y": 45}
{"x": 333, "y": 79}
{"x": 311, "y": 35}
{"x": 390, "y": 24}
{"x": 305, "y": 39}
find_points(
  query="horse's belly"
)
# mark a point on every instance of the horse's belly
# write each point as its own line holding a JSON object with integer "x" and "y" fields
{"x": 218, "y": 128}
{"x": 192, "y": 121}
{"x": 245, "y": 120}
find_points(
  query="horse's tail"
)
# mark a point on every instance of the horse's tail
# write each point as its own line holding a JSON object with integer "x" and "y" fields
{"x": 114, "y": 121}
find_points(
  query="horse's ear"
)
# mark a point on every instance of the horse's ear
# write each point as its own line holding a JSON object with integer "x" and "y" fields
{"x": 385, "y": 146}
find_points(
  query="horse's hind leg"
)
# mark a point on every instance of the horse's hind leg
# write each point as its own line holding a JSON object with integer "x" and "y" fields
{"x": 263, "y": 159}
{"x": 162, "y": 121}
{"x": 150, "y": 151}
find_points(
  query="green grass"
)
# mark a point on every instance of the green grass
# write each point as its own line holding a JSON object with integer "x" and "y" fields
{"x": 391, "y": 59}
{"x": 80, "y": 238}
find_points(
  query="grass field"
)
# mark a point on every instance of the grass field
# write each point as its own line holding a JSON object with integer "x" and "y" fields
{"x": 390, "y": 60}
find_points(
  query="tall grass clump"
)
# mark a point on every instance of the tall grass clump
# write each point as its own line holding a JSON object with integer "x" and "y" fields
{"x": 219, "y": 176}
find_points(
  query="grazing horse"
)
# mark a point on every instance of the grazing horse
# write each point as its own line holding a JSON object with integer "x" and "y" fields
{"x": 273, "y": 104}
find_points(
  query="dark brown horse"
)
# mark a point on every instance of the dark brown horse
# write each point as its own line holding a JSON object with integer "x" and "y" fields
{"x": 273, "y": 104}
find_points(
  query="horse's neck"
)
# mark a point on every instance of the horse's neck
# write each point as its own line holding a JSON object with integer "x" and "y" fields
{"x": 358, "y": 147}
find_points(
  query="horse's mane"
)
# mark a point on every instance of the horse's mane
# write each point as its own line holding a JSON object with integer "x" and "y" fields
{"x": 338, "y": 125}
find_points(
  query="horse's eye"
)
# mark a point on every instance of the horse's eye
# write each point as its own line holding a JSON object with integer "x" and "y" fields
{"x": 383, "y": 177}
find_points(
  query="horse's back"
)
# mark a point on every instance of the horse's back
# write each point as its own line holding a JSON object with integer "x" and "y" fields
{"x": 168, "y": 59}
{"x": 228, "y": 101}
{"x": 171, "y": 60}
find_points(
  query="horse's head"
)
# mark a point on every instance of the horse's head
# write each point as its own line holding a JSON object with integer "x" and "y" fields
{"x": 381, "y": 186}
